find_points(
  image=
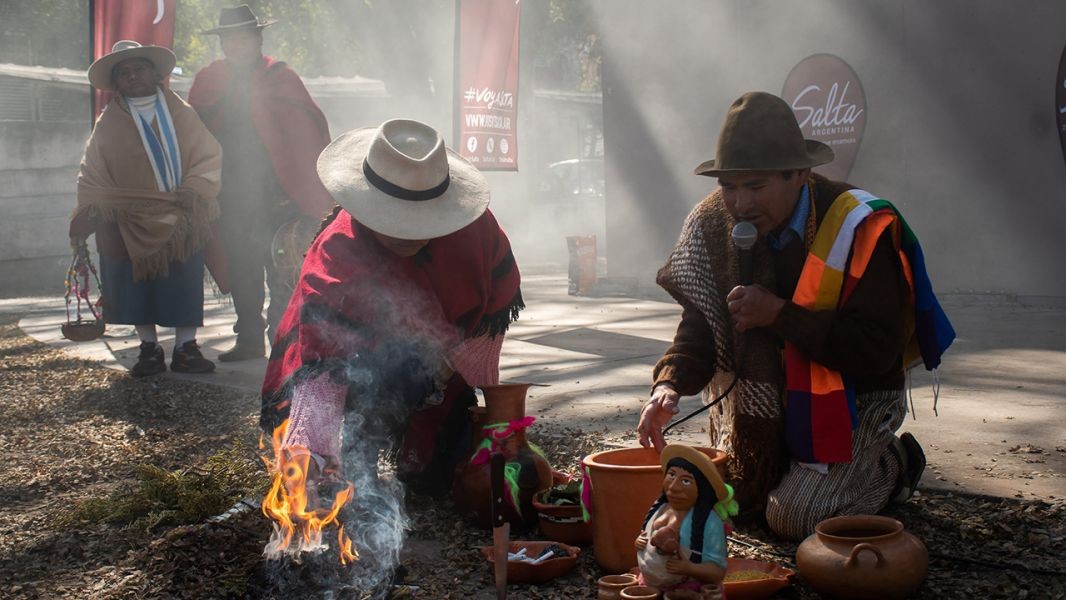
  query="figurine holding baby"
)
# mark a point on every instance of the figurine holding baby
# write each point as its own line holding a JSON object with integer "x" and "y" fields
{"x": 682, "y": 546}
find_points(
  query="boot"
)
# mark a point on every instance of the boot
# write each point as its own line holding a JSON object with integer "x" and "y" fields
{"x": 188, "y": 359}
{"x": 151, "y": 360}
{"x": 912, "y": 460}
{"x": 244, "y": 349}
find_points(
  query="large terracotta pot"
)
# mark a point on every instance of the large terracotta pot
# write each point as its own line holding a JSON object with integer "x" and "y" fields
{"x": 625, "y": 483}
{"x": 863, "y": 556}
{"x": 472, "y": 486}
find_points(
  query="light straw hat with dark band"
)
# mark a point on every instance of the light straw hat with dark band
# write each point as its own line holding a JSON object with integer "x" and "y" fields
{"x": 699, "y": 460}
{"x": 760, "y": 133}
{"x": 100, "y": 71}
{"x": 237, "y": 18}
{"x": 400, "y": 180}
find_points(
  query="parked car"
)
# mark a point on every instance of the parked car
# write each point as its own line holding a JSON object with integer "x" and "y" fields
{"x": 576, "y": 177}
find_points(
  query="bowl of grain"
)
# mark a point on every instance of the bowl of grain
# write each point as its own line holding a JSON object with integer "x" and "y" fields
{"x": 747, "y": 579}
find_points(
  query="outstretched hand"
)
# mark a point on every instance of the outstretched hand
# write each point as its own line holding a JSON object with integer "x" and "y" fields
{"x": 656, "y": 414}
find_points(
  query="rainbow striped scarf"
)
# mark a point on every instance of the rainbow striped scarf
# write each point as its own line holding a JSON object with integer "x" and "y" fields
{"x": 820, "y": 410}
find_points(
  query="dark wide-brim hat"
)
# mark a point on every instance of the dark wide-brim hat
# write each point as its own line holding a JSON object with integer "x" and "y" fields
{"x": 236, "y": 19}
{"x": 760, "y": 133}
{"x": 100, "y": 71}
{"x": 400, "y": 180}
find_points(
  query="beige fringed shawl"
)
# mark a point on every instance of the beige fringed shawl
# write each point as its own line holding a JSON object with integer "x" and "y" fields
{"x": 749, "y": 423}
{"x": 116, "y": 183}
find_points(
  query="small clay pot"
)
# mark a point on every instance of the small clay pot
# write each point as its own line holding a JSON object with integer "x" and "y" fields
{"x": 640, "y": 592}
{"x": 863, "y": 556}
{"x": 523, "y": 572}
{"x": 712, "y": 591}
{"x": 564, "y": 523}
{"x": 609, "y": 587}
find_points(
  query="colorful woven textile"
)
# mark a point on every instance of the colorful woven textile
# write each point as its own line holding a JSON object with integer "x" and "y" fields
{"x": 820, "y": 404}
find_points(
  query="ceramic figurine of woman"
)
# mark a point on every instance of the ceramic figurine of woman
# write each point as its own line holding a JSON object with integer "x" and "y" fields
{"x": 683, "y": 543}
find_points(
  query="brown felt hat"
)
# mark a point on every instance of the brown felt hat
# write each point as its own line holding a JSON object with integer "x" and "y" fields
{"x": 760, "y": 133}
{"x": 236, "y": 19}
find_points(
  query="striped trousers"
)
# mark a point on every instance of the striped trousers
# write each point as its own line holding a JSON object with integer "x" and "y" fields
{"x": 863, "y": 486}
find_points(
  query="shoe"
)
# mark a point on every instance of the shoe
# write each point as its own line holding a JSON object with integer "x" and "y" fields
{"x": 151, "y": 360}
{"x": 188, "y": 359}
{"x": 913, "y": 461}
{"x": 243, "y": 351}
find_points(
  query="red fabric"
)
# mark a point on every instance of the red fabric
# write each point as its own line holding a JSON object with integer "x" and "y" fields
{"x": 353, "y": 294}
{"x": 292, "y": 127}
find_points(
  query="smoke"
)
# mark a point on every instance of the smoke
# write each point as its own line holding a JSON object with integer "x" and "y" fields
{"x": 390, "y": 371}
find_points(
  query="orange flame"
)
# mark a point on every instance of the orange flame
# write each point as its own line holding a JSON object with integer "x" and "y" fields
{"x": 287, "y": 504}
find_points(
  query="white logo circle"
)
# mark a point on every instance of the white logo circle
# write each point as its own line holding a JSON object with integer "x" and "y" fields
{"x": 490, "y": 145}
{"x": 471, "y": 144}
{"x": 504, "y": 146}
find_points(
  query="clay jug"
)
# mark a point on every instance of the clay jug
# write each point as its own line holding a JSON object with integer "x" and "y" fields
{"x": 472, "y": 489}
{"x": 609, "y": 587}
{"x": 863, "y": 556}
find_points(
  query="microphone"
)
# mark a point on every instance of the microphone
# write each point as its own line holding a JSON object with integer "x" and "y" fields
{"x": 744, "y": 236}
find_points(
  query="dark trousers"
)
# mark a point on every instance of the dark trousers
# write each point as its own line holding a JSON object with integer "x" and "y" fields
{"x": 248, "y": 250}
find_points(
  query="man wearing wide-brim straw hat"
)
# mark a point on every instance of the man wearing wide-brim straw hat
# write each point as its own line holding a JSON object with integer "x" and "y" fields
{"x": 402, "y": 305}
{"x": 271, "y": 131}
{"x": 147, "y": 188}
{"x": 838, "y": 306}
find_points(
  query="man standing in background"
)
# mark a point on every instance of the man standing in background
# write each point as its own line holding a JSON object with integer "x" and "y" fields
{"x": 271, "y": 133}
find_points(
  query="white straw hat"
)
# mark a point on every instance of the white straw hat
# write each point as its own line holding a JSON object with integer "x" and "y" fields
{"x": 399, "y": 180}
{"x": 100, "y": 71}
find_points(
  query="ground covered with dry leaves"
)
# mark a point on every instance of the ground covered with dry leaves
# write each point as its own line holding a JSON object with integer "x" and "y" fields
{"x": 81, "y": 441}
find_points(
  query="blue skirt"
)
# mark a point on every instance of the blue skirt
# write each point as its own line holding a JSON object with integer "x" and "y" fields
{"x": 176, "y": 300}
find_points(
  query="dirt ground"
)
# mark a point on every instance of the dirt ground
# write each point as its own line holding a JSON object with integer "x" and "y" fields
{"x": 72, "y": 430}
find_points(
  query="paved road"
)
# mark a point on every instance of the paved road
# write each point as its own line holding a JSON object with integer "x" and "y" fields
{"x": 1002, "y": 388}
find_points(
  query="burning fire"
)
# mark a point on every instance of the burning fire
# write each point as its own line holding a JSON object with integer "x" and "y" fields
{"x": 297, "y": 528}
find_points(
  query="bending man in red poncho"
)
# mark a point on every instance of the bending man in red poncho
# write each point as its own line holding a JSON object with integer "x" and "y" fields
{"x": 271, "y": 133}
{"x": 401, "y": 307}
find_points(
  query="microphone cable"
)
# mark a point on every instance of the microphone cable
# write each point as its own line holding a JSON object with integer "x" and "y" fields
{"x": 742, "y": 354}
{"x": 744, "y": 235}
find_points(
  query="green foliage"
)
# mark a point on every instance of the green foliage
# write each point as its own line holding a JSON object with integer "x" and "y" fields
{"x": 168, "y": 498}
{"x": 556, "y": 34}
{"x": 568, "y": 493}
{"x": 50, "y": 33}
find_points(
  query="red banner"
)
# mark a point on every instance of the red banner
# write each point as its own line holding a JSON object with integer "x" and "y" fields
{"x": 488, "y": 83}
{"x": 150, "y": 22}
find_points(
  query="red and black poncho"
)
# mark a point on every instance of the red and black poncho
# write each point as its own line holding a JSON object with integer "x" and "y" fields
{"x": 375, "y": 320}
